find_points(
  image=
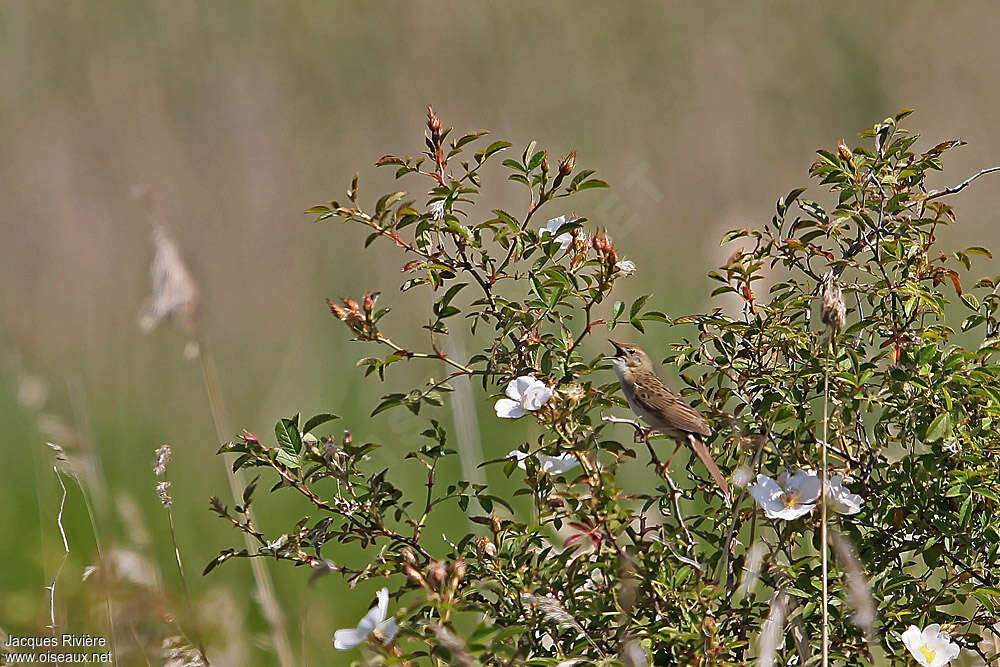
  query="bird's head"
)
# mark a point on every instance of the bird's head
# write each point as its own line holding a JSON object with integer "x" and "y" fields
{"x": 629, "y": 356}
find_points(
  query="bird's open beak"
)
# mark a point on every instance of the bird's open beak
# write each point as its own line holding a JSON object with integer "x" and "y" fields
{"x": 619, "y": 352}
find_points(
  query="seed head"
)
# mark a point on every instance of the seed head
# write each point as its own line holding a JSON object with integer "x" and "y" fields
{"x": 162, "y": 459}
{"x": 163, "y": 490}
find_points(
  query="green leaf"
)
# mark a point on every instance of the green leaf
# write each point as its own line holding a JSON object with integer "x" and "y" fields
{"x": 617, "y": 311}
{"x": 979, "y": 250}
{"x": 592, "y": 183}
{"x": 318, "y": 420}
{"x": 287, "y": 432}
{"x": 493, "y": 148}
{"x": 637, "y": 305}
{"x": 939, "y": 428}
{"x": 288, "y": 460}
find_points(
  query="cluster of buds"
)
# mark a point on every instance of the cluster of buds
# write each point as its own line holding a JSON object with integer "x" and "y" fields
{"x": 580, "y": 248}
{"x": 559, "y": 409}
{"x": 359, "y": 317}
{"x": 486, "y": 547}
{"x": 438, "y": 577}
{"x": 572, "y": 393}
{"x": 605, "y": 249}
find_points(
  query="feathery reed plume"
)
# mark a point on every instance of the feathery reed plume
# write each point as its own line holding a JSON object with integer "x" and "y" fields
{"x": 859, "y": 595}
{"x": 633, "y": 654}
{"x": 833, "y": 309}
{"x": 175, "y": 297}
{"x": 751, "y": 570}
{"x": 177, "y": 652}
{"x": 451, "y": 642}
{"x": 463, "y": 414}
{"x": 772, "y": 633}
{"x": 799, "y": 636}
{"x": 174, "y": 292}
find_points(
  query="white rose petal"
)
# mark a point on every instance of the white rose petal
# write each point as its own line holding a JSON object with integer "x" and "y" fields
{"x": 841, "y": 499}
{"x": 627, "y": 267}
{"x": 373, "y": 621}
{"x": 553, "y": 465}
{"x": 509, "y": 409}
{"x": 552, "y": 226}
{"x": 790, "y": 497}
{"x": 930, "y": 647}
{"x": 557, "y": 465}
{"x": 524, "y": 394}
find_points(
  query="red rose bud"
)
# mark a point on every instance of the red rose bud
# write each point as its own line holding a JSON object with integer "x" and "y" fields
{"x": 844, "y": 151}
{"x": 250, "y": 437}
{"x": 433, "y": 122}
{"x": 348, "y": 439}
{"x": 412, "y": 573}
{"x": 545, "y": 164}
{"x": 369, "y": 302}
{"x": 457, "y": 573}
{"x": 437, "y": 573}
{"x": 568, "y": 164}
{"x": 339, "y": 312}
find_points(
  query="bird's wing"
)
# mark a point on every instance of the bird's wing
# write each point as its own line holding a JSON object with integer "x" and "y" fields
{"x": 680, "y": 415}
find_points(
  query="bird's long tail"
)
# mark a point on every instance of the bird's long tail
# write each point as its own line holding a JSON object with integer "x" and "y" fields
{"x": 706, "y": 457}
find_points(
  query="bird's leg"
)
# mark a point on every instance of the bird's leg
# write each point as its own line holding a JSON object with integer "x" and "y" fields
{"x": 677, "y": 449}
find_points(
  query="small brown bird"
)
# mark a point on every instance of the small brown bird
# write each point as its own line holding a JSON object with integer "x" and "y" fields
{"x": 661, "y": 408}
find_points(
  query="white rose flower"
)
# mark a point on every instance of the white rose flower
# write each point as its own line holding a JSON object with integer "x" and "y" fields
{"x": 627, "y": 267}
{"x": 373, "y": 622}
{"x": 791, "y": 496}
{"x": 554, "y": 465}
{"x": 931, "y": 647}
{"x": 842, "y": 501}
{"x": 552, "y": 226}
{"x": 524, "y": 394}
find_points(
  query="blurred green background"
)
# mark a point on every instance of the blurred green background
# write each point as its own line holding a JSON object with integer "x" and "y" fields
{"x": 240, "y": 115}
